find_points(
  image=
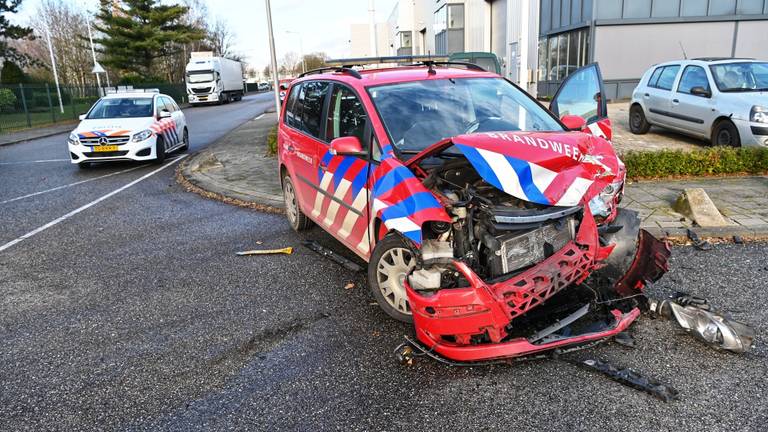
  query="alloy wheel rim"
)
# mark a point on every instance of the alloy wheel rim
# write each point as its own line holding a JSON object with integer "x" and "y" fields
{"x": 724, "y": 138}
{"x": 290, "y": 202}
{"x": 391, "y": 270}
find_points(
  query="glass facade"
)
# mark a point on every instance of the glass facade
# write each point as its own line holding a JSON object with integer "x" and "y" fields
{"x": 560, "y": 55}
{"x": 449, "y": 29}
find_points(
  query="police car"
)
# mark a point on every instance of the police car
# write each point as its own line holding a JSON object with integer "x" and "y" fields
{"x": 139, "y": 125}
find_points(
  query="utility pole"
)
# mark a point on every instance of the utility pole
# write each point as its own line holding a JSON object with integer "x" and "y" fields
{"x": 93, "y": 51}
{"x": 55, "y": 72}
{"x": 372, "y": 29}
{"x": 273, "y": 58}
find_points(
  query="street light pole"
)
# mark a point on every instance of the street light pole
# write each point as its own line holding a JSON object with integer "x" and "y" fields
{"x": 301, "y": 50}
{"x": 93, "y": 51}
{"x": 273, "y": 57}
{"x": 53, "y": 64}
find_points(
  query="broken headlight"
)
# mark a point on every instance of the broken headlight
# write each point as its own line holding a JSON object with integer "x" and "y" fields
{"x": 602, "y": 205}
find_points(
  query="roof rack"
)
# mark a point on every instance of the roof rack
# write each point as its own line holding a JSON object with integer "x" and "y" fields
{"x": 130, "y": 89}
{"x": 710, "y": 59}
{"x": 364, "y": 61}
{"x": 342, "y": 69}
{"x": 468, "y": 65}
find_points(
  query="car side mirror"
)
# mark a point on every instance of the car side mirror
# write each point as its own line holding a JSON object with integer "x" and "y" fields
{"x": 283, "y": 86}
{"x": 164, "y": 114}
{"x": 573, "y": 122}
{"x": 701, "y": 91}
{"x": 82, "y": 117}
{"x": 347, "y": 146}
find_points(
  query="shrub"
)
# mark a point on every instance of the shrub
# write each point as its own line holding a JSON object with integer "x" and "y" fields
{"x": 7, "y": 100}
{"x": 272, "y": 141}
{"x": 705, "y": 162}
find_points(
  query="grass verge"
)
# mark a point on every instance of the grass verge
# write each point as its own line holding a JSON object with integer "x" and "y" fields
{"x": 714, "y": 161}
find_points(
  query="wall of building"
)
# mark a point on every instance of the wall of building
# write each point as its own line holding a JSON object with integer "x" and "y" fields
{"x": 360, "y": 43}
{"x": 752, "y": 39}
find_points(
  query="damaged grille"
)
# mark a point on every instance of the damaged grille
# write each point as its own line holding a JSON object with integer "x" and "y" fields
{"x": 522, "y": 250}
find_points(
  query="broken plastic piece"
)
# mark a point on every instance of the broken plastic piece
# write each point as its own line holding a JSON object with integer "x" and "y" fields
{"x": 631, "y": 378}
{"x": 331, "y": 255}
{"x": 695, "y": 315}
{"x": 287, "y": 251}
{"x": 624, "y": 338}
{"x": 698, "y": 243}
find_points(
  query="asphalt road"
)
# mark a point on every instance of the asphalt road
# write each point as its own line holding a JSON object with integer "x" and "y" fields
{"x": 136, "y": 314}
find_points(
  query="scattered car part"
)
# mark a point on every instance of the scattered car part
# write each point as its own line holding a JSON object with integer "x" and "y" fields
{"x": 695, "y": 315}
{"x": 698, "y": 243}
{"x": 331, "y": 255}
{"x": 630, "y": 378}
{"x": 287, "y": 251}
{"x": 624, "y": 338}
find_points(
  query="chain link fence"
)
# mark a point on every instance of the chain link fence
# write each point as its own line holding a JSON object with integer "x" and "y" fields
{"x": 25, "y": 106}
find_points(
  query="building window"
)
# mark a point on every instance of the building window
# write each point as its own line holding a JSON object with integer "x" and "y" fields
{"x": 406, "y": 39}
{"x": 563, "y": 54}
{"x": 455, "y": 16}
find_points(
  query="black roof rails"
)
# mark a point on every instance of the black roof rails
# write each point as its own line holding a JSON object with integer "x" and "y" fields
{"x": 342, "y": 69}
{"x": 449, "y": 63}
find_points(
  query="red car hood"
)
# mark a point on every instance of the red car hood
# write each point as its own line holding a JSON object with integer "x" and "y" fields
{"x": 549, "y": 168}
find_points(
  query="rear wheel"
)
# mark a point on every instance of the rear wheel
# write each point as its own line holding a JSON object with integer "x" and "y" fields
{"x": 297, "y": 219}
{"x": 725, "y": 134}
{"x": 390, "y": 264}
{"x": 638, "y": 124}
{"x": 159, "y": 150}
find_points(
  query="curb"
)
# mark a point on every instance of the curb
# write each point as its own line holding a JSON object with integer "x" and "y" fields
{"x": 757, "y": 232}
{"x": 45, "y": 135}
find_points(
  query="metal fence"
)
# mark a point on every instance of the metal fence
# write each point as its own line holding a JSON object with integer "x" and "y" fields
{"x": 24, "y": 106}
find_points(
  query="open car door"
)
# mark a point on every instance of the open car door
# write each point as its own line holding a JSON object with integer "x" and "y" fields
{"x": 582, "y": 94}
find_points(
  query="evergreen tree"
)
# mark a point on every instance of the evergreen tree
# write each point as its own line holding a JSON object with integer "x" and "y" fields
{"x": 11, "y": 73}
{"x": 135, "y": 33}
{"x": 9, "y": 31}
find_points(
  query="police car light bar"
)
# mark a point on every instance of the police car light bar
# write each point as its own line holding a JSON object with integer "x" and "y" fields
{"x": 130, "y": 89}
{"x": 363, "y": 61}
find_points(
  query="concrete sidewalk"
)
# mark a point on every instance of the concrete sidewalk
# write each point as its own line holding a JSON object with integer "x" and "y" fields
{"x": 237, "y": 169}
{"x": 35, "y": 133}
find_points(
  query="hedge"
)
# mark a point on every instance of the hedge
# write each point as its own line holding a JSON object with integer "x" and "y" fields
{"x": 712, "y": 161}
{"x": 272, "y": 141}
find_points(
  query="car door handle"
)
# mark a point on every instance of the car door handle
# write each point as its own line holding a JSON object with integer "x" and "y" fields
{"x": 675, "y": 101}
{"x": 647, "y": 95}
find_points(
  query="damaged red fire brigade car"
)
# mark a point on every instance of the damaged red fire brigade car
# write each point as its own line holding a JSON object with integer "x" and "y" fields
{"x": 487, "y": 220}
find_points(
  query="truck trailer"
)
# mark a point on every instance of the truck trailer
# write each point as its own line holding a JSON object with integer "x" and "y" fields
{"x": 213, "y": 79}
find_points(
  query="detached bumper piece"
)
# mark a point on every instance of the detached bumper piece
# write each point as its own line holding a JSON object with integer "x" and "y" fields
{"x": 471, "y": 324}
{"x": 631, "y": 378}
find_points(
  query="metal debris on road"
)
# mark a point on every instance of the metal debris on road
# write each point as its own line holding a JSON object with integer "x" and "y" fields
{"x": 698, "y": 243}
{"x": 624, "y": 338}
{"x": 331, "y": 255}
{"x": 631, "y": 378}
{"x": 287, "y": 251}
{"x": 695, "y": 315}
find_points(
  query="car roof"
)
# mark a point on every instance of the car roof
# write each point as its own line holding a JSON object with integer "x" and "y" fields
{"x": 397, "y": 74}
{"x": 704, "y": 61}
{"x": 136, "y": 94}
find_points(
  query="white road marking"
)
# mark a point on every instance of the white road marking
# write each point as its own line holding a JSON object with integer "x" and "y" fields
{"x": 70, "y": 185}
{"x": 34, "y": 161}
{"x": 259, "y": 116}
{"x": 87, "y": 206}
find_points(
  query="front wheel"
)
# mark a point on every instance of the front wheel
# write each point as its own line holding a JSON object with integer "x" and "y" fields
{"x": 390, "y": 264}
{"x": 159, "y": 150}
{"x": 298, "y": 220}
{"x": 185, "y": 140}
{"x": 725, "y": 134}
{"x": 638, "y": 124}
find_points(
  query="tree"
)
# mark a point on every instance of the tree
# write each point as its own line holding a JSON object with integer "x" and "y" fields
{"x": 136, "y": 33}
{"x": 267, "y": 73}
{"x": 9, "y": 31}
{"x": 221, "y": 40}
{"x": 287, "y": 65}
{"x": 12, "y": 73}
{"x": 314, "y": 60}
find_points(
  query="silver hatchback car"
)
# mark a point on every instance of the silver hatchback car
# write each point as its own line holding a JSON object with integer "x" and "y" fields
{"x": 723, "y": 100}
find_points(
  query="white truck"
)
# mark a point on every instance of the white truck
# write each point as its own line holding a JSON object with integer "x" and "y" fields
{"x": 213, "y": 79}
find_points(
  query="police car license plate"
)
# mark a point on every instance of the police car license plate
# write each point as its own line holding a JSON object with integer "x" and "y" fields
{"x": 105, "y": 148}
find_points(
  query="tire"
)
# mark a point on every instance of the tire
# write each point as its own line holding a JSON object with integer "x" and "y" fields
{"x": 390, "y": 262}
{"x": 298, "y": 220}
{"x": 638, "y": 124}
{"x": 159, "y": 150}
{"x": 185, "y": 140}
{"x": 84, "y": 165}
{"x": 725, "y": 134}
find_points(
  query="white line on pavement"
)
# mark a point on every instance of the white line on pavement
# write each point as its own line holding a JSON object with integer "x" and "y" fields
{"x": 71, "y": 184}
{"x": 259, "y": 116}
{"x": 34, "y": 161}
{"x": 87, "y": 206}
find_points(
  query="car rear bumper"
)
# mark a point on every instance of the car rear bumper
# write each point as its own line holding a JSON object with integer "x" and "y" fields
{"x": 137, "y": 151}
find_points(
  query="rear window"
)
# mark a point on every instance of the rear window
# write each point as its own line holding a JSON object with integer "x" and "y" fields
{"x": 121, "y": 108}
{"x": 305, "y": 110}
{"x": 665, "y": 78}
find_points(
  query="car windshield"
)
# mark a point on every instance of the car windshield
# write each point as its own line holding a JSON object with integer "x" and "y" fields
{"x": 418, "y": 114}
{"x": 741, "y": 77}
{"x": 198, "y": 77}
{"x": 121, "y": 108}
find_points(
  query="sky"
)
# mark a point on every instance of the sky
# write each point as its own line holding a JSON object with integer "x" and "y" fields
{"x": 323, "y": 25}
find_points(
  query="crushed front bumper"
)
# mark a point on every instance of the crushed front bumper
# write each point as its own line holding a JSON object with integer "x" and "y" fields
{"x": 470, "y": 324}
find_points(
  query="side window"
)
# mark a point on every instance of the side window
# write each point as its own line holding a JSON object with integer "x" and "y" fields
{"x": 168, "y": 104}
{"x": 693, "y": 76}
{"x": 346, "y": 115}
{"x": 159, "y": 105}
{"x": 312, "y": 98}
{"x": 655, "y": 77}
{"x": 667, "y": 77}
{"x": 290, "y": 109}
